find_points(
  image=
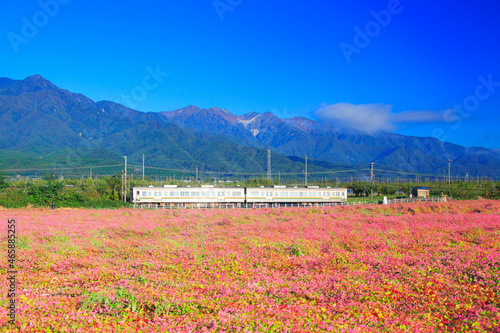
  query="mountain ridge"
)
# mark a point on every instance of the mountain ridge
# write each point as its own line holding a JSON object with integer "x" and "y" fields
{"x": 38, "y": 118}
{"x": 301, "y": 136}
{"x": 36, "y": 115}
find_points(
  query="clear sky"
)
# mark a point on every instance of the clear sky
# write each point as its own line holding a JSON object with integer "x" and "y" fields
{"x": 405, "y": 66}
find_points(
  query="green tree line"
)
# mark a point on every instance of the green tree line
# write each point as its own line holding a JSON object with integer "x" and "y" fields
{"x": 107, "y": 192}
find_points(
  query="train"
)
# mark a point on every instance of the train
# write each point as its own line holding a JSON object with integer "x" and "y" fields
{"x": 211, "y": 196}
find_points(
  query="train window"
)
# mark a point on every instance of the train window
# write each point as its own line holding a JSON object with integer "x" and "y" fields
{"x": 236, "y": 194}
{"x": 174, "y": 194}
{"x": 195, "y": 194}
{"x": 261, "y": 194}
{"x": 144, "y": 193}
{"x": 184, "y": 194}
{"x": 205, "y": 193}
{"x": 220, "y": 194}
{"x": 150, "y": 194}
{"x": 284, "y": 194}
{"x": 320, "y": 194}
{"x": 212, "y": 194}
{"x": 276, "y": 194}
{"x": 269, "y": 194}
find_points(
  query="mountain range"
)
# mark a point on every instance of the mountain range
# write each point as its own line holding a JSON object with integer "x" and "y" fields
{"x": 39, "y": 120}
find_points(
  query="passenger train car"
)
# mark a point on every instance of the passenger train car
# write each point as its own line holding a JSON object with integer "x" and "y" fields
{"x": 208, "y": 195}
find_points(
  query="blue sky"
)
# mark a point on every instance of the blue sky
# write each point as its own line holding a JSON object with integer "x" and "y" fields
{"x": 404, "y": 66}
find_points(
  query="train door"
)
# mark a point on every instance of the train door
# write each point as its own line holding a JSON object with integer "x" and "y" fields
{"x": 220, "y": 196}
{"x": 157, "y": 196}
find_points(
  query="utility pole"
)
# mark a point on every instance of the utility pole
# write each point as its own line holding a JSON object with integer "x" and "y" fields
{"x": 122, "y": 184}
{"x": 371, "y": 180}
{"x": 269, "y": 164}
{"x": 142, "y": 166}
{"x": 279, "y": 177}
{"x": 306, "y": 171}
{"x": 449, "y": 170}
{"x": 125, "y": 182}
{"x": 90, "y": 173}
{"x": 196, "y": 173}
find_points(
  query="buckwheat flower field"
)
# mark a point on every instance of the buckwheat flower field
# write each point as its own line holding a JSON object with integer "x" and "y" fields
{"x": 407, "y": 267}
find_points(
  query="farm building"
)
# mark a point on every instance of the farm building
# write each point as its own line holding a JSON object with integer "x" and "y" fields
{"x": 421, "y": 192}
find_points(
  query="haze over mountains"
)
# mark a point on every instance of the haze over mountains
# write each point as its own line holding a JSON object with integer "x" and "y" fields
{"x": 38, "y": 119}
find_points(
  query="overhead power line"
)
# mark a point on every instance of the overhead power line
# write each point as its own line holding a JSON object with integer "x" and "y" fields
{"x": 408, "y": 173}
{"x": 58, "y": 168}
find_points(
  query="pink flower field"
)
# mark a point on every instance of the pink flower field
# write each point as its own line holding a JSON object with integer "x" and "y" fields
{"x": 400, "y": 268}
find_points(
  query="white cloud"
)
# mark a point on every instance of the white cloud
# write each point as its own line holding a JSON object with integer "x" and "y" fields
{"x": 372, "y": 117}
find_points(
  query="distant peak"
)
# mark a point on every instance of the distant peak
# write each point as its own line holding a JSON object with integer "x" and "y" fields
{"x": 269, "y": 115}
{"x": 36, "y": 78}
{"x": 249, "y": 115}
{"x": 37, "y": 81}
{"x": 192, "y": 108}
{"x": 30, "y": 84}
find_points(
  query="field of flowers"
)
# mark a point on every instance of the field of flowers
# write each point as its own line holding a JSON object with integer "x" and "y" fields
{"x": 407, "y": 267}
